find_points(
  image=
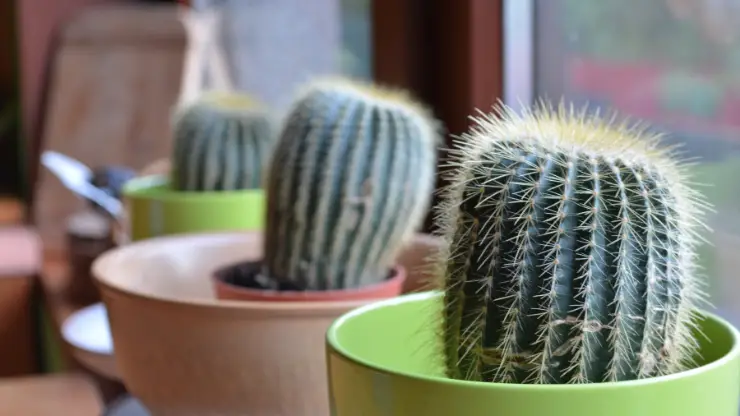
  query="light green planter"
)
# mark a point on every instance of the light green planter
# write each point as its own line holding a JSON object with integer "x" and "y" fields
{"x": 381, "y": 362}
{"x": 155, "y": 209}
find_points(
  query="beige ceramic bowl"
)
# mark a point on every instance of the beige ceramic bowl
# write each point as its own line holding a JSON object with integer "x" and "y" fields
{"x": 182, "y": 352}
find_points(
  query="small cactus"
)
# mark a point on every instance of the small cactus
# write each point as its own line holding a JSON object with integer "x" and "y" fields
{"x": 351, "y": 178}
{"x": 571, "y": 252}
{"x": 221, "y": 143}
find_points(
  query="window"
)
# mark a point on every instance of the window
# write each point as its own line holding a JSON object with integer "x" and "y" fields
{"x": 673, "y": 63}
{"x": 276, "y": 45}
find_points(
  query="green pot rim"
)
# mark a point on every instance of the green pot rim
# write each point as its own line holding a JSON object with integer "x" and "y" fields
{"x": 158, "y": 187}
{"x": 333, "y": 343}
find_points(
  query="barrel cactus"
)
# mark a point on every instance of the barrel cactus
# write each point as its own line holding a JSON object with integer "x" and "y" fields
{"x": 571, "y": 252}
{"x": 352, "y": 175}
{"x": 221, "y": 143}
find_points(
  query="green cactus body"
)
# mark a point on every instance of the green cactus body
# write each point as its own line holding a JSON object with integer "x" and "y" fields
{"x": 221, "y": 143}
{"x": 571, "y": 252}
{"x": 350, "y": 180}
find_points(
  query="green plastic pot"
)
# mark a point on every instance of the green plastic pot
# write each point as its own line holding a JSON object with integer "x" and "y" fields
{"x": 382, "y": 361}
{"x": 155, "y": 209}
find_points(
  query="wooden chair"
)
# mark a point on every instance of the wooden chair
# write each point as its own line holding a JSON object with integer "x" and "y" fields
{"x": 115, "y": 75}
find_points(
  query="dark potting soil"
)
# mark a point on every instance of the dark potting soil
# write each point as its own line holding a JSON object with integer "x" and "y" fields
{"x": 249, "y": 274}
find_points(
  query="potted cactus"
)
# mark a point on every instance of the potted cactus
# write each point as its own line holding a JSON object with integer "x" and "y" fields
{"x": 348, "y": 186}
{"x": 570, "y": 284}
{"x": 222, "y": 141}
{"x": 349, "y": 181}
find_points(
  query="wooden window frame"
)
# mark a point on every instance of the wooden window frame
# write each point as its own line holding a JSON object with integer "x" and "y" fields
{"x": 449, "y": 53}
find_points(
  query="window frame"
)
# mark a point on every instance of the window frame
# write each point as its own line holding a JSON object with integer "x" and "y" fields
{"x": 449, "y": 54}
{"x": 519, "y": 27}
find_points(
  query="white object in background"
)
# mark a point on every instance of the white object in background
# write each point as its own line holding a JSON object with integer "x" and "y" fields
{"x": 76, "y": 177}
{"x": 205, "y": 59}
{"x": 88, "y": 330}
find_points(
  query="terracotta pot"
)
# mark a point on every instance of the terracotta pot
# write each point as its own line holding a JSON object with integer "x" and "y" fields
{"x": 183, "y": 352}
{"x": 227, "y": 290}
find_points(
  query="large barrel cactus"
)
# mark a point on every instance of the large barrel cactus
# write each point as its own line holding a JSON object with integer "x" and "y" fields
{"x": 571, "y": 255}
{"x": 222, "y": 142}
{"x": 351, "y": 178}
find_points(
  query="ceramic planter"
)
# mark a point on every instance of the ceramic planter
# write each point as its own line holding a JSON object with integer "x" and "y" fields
{"x": 183, "y": 352}
{"x": 155, "y": 209}
{"x": 382, "y": 362}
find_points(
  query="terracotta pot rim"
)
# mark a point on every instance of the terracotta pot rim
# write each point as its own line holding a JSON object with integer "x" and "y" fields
{"x": 397, "y": 278}
{"x": 236, "y": 308}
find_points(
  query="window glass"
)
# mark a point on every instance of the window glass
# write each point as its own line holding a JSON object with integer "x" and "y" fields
{"x": 674, "y": 63}
{"x": 275, "y": 45}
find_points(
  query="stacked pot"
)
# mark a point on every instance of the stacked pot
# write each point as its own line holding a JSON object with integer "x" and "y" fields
{"x": 259, "y": 237}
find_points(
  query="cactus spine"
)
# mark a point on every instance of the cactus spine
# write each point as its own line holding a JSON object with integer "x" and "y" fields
{"x": 350, "y": 180}
{"x": 221, "y": 143}
{"x": 570, "y": 257}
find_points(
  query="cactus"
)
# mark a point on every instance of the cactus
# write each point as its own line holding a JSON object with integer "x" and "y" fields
{"x": 351, "y": 178}
{"x": 570, "y": 254}
{"x": 221, "y": 143}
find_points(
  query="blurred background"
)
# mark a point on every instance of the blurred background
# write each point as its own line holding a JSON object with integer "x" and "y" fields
{"x": 673, "y": 63}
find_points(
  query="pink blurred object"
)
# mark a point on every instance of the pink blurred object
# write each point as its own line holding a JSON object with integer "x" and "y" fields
{"x": 600, "y": 76}
{"x": 20, "y": 251}
{"x": 730, "y": 113}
